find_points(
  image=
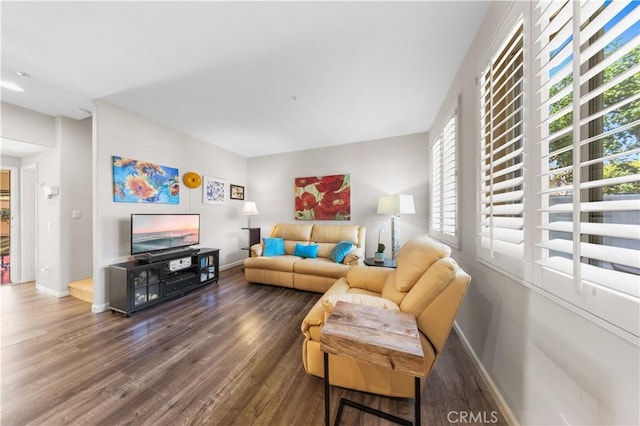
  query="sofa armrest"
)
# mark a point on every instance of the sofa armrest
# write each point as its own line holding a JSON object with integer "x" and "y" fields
{"x": 257, "y": 250}
{"x": 354, "y": 257}
{"x": 370, "y": 278}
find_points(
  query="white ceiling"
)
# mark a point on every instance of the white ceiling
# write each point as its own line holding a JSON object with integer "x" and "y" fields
{"x": 255, "y": 78}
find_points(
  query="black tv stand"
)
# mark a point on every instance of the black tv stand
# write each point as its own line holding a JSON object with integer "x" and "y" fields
{"x": 164, "y": 255}
{"x": 139, "y": 284}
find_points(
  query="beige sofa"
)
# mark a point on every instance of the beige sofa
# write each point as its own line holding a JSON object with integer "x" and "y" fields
{"x": 427, "y": 283}
{"x": 312, "y": 274}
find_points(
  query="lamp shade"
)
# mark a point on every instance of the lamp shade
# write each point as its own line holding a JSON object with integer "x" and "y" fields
{"x": 396, "y": 204}
{"x": 250, "y": 208}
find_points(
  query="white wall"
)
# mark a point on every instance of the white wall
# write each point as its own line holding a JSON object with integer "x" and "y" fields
{"x": 119, "y": 132}
{"x": 24, "y": 125}
{"x": 380, "y": 167}
{"x": 9, "y": 161}
{"x": 76, "y": 194}
{"x": 48, "y": 233}
{"x": 551, "y": 365}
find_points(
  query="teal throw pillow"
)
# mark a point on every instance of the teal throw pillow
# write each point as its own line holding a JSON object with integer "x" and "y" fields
{"x": 303, "y": 250}
{"x": 340, "y": 251}
{"x": 273, "y": 246}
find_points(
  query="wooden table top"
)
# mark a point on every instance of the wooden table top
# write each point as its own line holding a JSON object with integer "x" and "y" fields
{"x": 374, "y": 335}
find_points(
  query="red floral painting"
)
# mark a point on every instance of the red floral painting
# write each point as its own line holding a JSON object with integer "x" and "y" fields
{"x": 323, "y": 197}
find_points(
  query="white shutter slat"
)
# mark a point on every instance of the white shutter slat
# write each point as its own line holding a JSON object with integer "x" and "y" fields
{"x": 596, "y": 206}
{"x": 505, "y": 222}
{"x": 514, "y": 251}
{"x": 509, "y": 183}
{"x": 617, "y": 255}
{"x": 547, "y": 9}
{"x": 552, "y": 172}
{"x": 563, "y": 189}
{"x": 504, "y": 197}
{"x": 611, "y": 34}
{"x": 620, "y": 281}
{"x": 605, "y": 64}
{"x": 508, "y": 235}
{"x": 563, "y": 246}
{"x": 608, "y": 158}
{"x": 603, "y": 229}
{"x": 616, "y": 106}
{"x": 510, "y": 169}
{"x": 612, "y": 254}
{"x": 506, "y": 209}
{"x": 610, "y": 181}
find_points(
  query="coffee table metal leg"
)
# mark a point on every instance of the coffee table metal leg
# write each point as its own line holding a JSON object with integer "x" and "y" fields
{"x": 327, "y": 405}
{"x": 417, "y": 402}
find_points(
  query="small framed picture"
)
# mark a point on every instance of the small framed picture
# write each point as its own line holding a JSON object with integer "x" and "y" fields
{"x": 237, "y": 192}
{"x": 212, "y": 190}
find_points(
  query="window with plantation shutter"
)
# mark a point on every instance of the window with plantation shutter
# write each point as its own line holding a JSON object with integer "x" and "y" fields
{"x": 502, "y": 202}
{"x": 444, "y": 194}
{"x": 587, "y": 91}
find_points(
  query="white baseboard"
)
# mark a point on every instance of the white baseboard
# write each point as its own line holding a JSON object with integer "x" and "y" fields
{"x": 53, "y": 292}
{"x": 493, "y": 389}
{"x": 96, "y": 309}
{"x": 231, "y": 265}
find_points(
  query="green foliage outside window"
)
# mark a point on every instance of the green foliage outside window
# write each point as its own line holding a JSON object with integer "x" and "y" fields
{"x": 618, "y": 142}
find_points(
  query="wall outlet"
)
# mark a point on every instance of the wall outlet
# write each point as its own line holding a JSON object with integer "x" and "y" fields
{"x": 76, "y": 214}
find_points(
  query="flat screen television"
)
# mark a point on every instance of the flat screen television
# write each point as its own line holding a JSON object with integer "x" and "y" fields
{"x": 161, "y": 232}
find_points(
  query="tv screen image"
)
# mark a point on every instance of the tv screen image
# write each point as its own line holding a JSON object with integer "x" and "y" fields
{"x": 156, "y": 232}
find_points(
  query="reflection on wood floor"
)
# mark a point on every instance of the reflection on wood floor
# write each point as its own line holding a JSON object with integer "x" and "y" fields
{"x": 226, "y": 354}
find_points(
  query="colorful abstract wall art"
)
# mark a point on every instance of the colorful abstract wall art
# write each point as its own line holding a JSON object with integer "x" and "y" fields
{"x": 323, "y": 197}
{"x": 143, "y": 182}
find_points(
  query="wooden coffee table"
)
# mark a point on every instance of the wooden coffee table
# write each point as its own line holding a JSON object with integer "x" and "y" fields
{"x": 376, "y": 336}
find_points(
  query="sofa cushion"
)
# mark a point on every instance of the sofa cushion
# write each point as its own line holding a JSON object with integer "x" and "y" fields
{"x": 273, "y": 246}
{"x": 321, "y": 266}
{"x": 340, "y": 251}
{"x": 335, "y": 233}
{"x": 292, "y": 231}
{"x": 274, "y": 263}
{"x": 306, "y": 251}
{"x": 415, "y": 257}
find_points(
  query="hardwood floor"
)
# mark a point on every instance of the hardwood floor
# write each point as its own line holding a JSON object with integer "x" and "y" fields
{"x": 227, "y": 354}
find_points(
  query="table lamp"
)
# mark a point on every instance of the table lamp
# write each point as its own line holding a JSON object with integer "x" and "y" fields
{"x": 395, "y": 205}
{"x": 250, "y": 209}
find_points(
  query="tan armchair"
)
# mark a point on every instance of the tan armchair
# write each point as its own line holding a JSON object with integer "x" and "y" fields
{"x": 427, "y": 283}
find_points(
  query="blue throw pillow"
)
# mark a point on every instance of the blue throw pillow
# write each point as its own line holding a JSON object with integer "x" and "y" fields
{"x": 303, "y": 250}
{"x": 340, "y": 251}
{"x": 273, "y": 246}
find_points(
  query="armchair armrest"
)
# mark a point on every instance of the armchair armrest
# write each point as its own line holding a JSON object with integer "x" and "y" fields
{"x": 370, "y": 278}
{"x": 315, "y": 317}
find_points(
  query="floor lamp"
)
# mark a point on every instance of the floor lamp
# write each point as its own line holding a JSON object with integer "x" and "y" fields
{"x": 395, "y": 205}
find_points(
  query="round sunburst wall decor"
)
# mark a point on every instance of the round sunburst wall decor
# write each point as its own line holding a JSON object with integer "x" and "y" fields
{"x": 192, "y": 180}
